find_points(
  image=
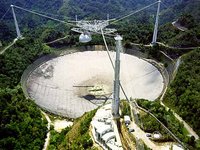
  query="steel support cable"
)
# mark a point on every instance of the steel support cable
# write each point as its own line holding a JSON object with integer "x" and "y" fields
{"x": 55, "y": 15}
{"x": 173, "y": 136}
{"x": 107, "y": 50}
{"x": 4, "y": 14}
{"x": 134, "y": 101}
{"x": 43, "y": 15}
{"x": 133, "y": 13}
{"x": 112, "y": 62}
{"x": 36, "y": 13}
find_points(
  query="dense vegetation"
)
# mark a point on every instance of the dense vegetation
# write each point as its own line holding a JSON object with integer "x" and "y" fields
{"x": 169, "y": 120}
{"x": 56, "y": 138}
{"x": 100, "y": 9}
{"x": 26, "y": 21}
{"x": 41, "y": 5}
{"x": 180, "y": 7}
{"x": 140, "y": 25}
{"x": 15, "y": 60}
{"x": 183, "y": 94}
{"x": 174, "y": 37}
{"x": 78, "y": 137}
{"x": 125, "y": 108}
{"x": 150, "y": 125}
{"x": 21, "y": 123}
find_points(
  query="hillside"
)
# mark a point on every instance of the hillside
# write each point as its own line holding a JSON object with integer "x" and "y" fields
{"x": 183, "y": 94}
{"x": 25, "y": 20}
{"x": 141, "y": 24}
{"x": 100, "y": 9}
{"x": 183, "y": 7}
{"x": 40, "y": 5}
{"x": 21, "y": 123}
{"x": 75, "y": 137}
{"x": 170, "y": 9}
{"x": 173, "y": 36}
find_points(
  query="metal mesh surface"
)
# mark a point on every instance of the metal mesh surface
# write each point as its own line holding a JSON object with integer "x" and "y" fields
{"x": 61, "y": 85}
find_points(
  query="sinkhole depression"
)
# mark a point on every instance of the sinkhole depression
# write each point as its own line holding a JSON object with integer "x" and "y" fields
{"x": 73, "y": 84}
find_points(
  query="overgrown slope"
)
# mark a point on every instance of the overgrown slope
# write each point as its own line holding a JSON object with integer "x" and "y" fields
{"x": 183, "y": 95}
{"x": 169, "y": 120}
{"x": 78, "y": 137}
{"x": 173, "y": 36}
{"x": 21, "y": 123}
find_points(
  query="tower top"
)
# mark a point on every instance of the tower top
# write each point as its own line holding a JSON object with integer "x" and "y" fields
{"x": 118, "y": 38}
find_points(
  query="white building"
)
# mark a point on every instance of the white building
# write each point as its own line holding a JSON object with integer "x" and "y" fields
{"x": 103, "y": 129}
{"x": 127, "y": 120}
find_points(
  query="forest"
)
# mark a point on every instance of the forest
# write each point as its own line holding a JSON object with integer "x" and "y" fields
{"x": 21, "y": 124}
{"x": 140, "y": 25}
{"x": 183, "y": 94}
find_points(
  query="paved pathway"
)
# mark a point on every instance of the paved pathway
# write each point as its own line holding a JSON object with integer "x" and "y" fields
{"x": 57, "y": 40}
{"x": 178, "y": 26}
{"x": 14, "y": 41}
{"x": 48, "y": 134}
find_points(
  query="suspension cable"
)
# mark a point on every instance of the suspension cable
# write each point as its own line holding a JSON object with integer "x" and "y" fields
{"x": 36, "y": 13}
{"x": 4, "y": 14}
{"x": 55, "y": 15}
{"x": 107, "y": 50}
{"x": 134, "y": 12}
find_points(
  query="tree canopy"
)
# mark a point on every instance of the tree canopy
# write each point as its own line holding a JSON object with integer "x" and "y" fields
{"x": 183, "y": 94}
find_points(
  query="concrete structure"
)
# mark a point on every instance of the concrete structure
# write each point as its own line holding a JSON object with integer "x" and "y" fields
{"x": 16, "y": 23}
{"x": 116, "y": 98}
{"x": 155, "y": 33}
{"x": 104, "y": 129}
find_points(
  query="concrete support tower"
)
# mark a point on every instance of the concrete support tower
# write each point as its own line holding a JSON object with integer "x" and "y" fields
{"x": 156, "y": 24}
{"x": 16, "y": 24}
{"x": 116, "y": 99}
